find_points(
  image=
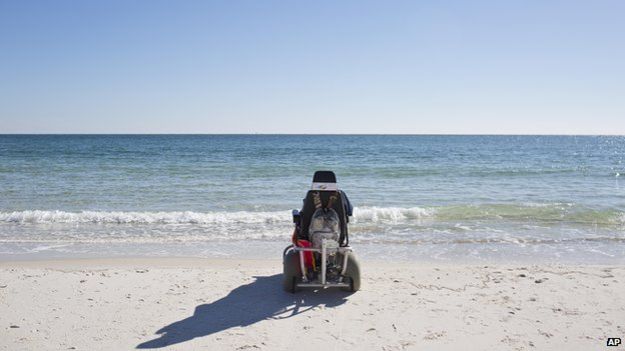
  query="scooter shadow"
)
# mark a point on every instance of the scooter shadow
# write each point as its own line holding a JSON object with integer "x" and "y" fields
{"x": 243, "y": 306}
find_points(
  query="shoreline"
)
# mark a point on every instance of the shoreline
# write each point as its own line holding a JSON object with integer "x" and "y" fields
{"x": 465, "y": 253}
{"x": 190, "y": 303}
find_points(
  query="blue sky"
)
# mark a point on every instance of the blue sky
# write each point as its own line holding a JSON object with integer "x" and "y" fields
{"x": 511, "y": 67}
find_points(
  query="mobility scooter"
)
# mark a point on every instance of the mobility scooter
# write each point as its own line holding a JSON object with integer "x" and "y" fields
{"x": 320, "y": 255}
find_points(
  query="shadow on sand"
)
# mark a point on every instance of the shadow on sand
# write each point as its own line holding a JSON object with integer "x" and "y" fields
{"x": 245, "y": 305}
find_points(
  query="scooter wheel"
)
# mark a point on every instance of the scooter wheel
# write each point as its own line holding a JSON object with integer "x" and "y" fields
{"x": 291, "y": 272}
{"x": 352, "y": 273}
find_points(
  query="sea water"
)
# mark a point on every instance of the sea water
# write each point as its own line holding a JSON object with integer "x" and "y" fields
{"x": 443, "y": 198}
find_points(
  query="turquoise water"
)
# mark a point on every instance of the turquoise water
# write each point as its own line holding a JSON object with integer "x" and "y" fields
{"x": 550, "y": 198}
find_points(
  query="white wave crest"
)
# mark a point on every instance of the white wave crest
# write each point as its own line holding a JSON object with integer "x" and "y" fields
{"x": 391, "y": 214}
{"x": 118, "y": 217}
{"x": 361, "y": 215}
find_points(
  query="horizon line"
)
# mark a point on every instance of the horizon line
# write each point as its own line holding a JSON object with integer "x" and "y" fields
{"x": 308, "y": 134}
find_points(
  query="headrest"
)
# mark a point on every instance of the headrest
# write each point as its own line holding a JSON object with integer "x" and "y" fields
{"x": 324, "y": 180}
{"x": 324, "y": 177}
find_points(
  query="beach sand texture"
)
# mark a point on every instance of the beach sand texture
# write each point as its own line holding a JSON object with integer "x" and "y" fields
{"x": 188, "y": 304}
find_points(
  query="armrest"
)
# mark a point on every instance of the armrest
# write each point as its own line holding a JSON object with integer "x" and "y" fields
{"x": 296, "y": 216}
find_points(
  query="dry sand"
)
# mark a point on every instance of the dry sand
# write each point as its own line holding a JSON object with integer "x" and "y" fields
{"x": 188, "y": 304}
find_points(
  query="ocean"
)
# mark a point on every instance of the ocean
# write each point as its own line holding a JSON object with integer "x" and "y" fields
{"x": 422, "y": 198}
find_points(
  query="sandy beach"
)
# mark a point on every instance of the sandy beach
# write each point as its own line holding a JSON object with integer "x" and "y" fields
{"x": 188, "y": 304}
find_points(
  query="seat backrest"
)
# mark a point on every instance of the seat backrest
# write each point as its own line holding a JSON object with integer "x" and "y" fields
{"x": 309, "y": 209}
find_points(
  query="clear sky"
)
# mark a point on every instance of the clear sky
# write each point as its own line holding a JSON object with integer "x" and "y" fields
{"x": 520, "y": 67}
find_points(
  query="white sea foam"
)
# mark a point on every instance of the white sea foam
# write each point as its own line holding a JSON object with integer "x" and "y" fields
{"x": 362, "y": 215}
{"x": 118, "y": 217}
{"x": 391, "y": 214}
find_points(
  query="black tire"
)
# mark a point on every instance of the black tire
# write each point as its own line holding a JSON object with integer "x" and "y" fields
{"x": 352, "y": 274}
{"x": 291, "y": 271}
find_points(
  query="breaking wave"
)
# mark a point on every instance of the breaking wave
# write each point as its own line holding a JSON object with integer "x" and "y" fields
{"x": 559, "y": 212}
{"x": 117, "y": 217}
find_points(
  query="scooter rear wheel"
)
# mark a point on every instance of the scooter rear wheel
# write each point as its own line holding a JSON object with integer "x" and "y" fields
{"x": 291, "y": 272}
{"x": 352, "y": 273}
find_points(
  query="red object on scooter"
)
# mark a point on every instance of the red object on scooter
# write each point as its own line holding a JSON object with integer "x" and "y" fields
{"x": 309, "y": 260}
